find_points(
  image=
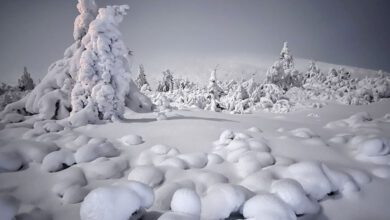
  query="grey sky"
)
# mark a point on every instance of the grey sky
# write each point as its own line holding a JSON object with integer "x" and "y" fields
{"x": 352, "y": 32}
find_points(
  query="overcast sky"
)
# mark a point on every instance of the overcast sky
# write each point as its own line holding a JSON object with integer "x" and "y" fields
{"x": 35, "y": 33}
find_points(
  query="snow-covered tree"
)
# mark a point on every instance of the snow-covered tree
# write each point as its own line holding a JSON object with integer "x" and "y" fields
{"x": 102, "y": 82}
{"x": 214, "y": 92}
{"x": 26, "y": 82}
{"x": 167, "y": 82}
{"x": 52, "y": 97}
{"x": 286, "y": 57}
{"x": 141, "y": 81}
{"x": 241, "y": 93}
{"x": 88, "y": 11}
{"x": 213, "y": 88}
{"x": 282, "y": 73}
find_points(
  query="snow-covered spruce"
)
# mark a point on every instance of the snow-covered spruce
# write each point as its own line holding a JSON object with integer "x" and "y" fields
{"x": 92, "y": 82}
{"x": 103, "y": 79}
{"x": 141, "y": 81}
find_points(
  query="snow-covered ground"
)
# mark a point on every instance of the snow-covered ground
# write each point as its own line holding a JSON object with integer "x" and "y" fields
{"x": 328, "y": 163}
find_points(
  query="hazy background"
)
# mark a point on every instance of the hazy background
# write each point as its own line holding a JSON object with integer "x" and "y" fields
{"x": 192, "y": 36}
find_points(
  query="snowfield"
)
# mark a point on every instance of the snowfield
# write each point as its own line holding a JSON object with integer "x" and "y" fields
{"x": 201, "y": 165}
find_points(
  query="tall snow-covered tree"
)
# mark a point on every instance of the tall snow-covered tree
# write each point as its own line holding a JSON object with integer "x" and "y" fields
{"x": 26, "y": 82}
{"x": 51, "y": 98}
{"x": 141, "y": 81}
{"x": 102, "y": 82}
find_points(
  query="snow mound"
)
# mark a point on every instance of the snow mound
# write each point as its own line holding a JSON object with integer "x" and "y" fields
{"x": 105, "y": 168}
{"x": 149, "y": 175}
{"x": 226, "y": 136}
{"x": 214, "y": 159}
{"x": 357, "y": 120}
{"x": 341, "y": 181}
{"x": 186, "y": 201}
{"x": 194, "y": 160}
{"x": 131, "y": 139}
{"x": 144, "y": 192}
{"x": 156, "y": 155}
{"x": 10, "y": 161}
{"x": 18, "y": 153}
{"x": 202, "y": 179}
{"x": 267, "y": 206}
{"x": 110, "y": 202}
{"x": 312, "y": 178}
{"x": 164, "y": 195}
{"x": 173, "y": 162}
{"x": 303, "y": 133}
{"x": 374, "y": 150}
{"x": 58, "y": 160}
{"x": 292, "y": 193}
{"x": 259, "y": 181}
{"x": 221, "y": 200}
{"x": 65, "y": 179}
{"x": 255, "y": 130}
{"x": 94, "y": 149}
{"x": 381, "y": 172}
{"x": 251, "y": 162}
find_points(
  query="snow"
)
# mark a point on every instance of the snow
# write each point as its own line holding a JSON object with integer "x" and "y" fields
{"x": 68, "y": 178}
{"x": 56, "y": 160}
{"x": 95, "y": 148}
{"x": 12, "y": 118}
{"x": 221, "y": 200}
{"x": 186, "y": 201}
{"x": 302, "y": 173}
{"x": 267, "y": 206}
{"x": 9, "y": 207}
{"x": 312, "y": 178}
{"x": 131, "y": 139}
{"x": 110, "y": 202}
{"x": 105, "y": 168}
{"x": 292, "y": 193}
{"x": 10, "y": 161}
{"x": 149, "y": 175}
{"x": 74, "y": 194}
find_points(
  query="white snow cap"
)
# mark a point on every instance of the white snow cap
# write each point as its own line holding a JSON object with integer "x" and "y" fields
{"x": 213, "y": 75}
{"x": 186, "y": 201}
{"x": 88, "y": 11}
{"x": 267, "y": 206}
{"x": 119, "y": 202}
{"x": 285, "y": 49}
